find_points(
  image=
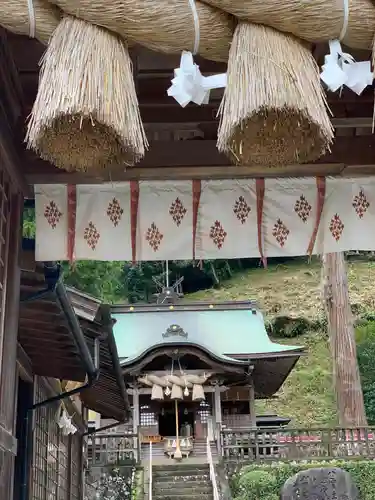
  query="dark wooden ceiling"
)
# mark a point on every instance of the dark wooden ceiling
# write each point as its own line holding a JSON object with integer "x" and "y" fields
{"x": 183, "y": 141}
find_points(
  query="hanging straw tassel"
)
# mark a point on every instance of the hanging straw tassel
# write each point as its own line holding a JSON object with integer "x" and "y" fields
{"x": 273, "y": 112}
{"x": 86, "y": 116}
{"x": 198, "y": 393}
{"x": 176, "y": 392}
{"x": 157, "y": 393}
{"x": 34, "y": 18}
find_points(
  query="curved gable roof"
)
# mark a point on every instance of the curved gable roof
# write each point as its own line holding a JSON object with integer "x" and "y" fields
{"x": 228, "y": 330}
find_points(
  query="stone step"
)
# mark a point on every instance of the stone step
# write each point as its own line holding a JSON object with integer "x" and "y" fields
{"x": 174, "y": 470}
{"x": 189, "y": 476}
{"x": 183, "y": 497}
{"x": 188, "y": 488}
{"x": 181, "y": 482}
{"x": 192, "y": 475}
{"x": 180, "y": 467}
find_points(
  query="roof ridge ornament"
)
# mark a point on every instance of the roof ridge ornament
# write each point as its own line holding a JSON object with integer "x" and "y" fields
{"x": 175, "y": 331}
{"x": 168, "y": 294}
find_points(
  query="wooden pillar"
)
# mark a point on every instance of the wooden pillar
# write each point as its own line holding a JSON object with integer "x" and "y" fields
{"x": 9, "y": 327}
{"x": 346, "y": 378}
{"x": 135, "y": 410}
{"x": 217, "y": 401}
{"x": 137, "y": 440}
{"x": 252, "y": 412}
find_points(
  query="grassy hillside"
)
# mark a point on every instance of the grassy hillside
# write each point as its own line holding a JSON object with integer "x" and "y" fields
{"x": 307, "y": 395}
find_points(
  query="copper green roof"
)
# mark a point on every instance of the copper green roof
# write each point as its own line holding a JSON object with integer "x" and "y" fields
{"x": 227, "y": 330}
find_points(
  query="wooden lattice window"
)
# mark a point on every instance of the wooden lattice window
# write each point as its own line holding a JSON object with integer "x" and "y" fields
{"x": 63, "y": 467}
{"x": 39, "y": 466}
{"x": 147, "y": 417}
{"x": 50, "y": 467}
{"x": 204, "y": 411}
{"x": 76, "y": 467}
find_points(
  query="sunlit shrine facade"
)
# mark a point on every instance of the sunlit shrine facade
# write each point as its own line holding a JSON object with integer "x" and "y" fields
{"x": 193, "y": 369}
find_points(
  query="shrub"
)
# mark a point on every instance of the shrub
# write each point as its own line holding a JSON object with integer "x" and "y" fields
{"x": 245, "y": 484}
{"x": 288, "y": 327}
{"x": 257, "y": 484}
{"x": 365, "y": 338}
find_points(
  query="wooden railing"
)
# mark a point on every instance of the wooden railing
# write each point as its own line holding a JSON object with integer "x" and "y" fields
{"x": 297, "y": 444}
{"x": 215, "y": 489}
{"x": 113, "y": 449}
{"x": 150, "y": 474}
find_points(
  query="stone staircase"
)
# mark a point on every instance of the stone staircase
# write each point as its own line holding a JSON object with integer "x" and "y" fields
{"x": 180, "y": 481}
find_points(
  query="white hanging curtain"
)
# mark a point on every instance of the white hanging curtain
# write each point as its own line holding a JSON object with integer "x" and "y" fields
{"x": 300, "y": 216}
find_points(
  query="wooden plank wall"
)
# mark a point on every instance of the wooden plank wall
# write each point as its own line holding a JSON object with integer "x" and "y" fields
{"x": 12, "y": 188}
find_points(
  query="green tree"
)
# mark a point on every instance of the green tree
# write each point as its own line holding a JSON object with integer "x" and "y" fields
{"x": 104, "y": 280}
{"x": 138, "y": 280}
{"x": 28, "y": 223}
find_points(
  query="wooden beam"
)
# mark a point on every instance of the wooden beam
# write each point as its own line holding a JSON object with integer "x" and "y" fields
{"x": 200, "y": 159}
{"x": 358, "y": 122}
{"x": 197, "y": 172}
{"x": 338, "y": 123}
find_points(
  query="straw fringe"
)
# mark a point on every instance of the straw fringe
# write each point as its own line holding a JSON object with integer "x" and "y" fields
{"x": 86, "y": 116}
{"x": 164, "y": 26}
{"x": 314, "y": 20}
{"x": 14, "y": 16}
{"x": 273, "y": 111}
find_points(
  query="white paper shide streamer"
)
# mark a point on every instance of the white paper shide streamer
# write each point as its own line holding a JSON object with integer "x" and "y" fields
{"x": 65, "y": 423}
{"x": 189, "y": 85}
{"x": 341, "y": 69}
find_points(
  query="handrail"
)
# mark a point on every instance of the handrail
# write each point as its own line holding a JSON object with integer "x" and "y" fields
{"x": 150, "y": 474}
{"x": 212, "y": 471}
{"x": 264, "y": 444}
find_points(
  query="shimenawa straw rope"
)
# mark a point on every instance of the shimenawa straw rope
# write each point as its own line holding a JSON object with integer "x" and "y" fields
{"x": 163, "y": 26}
{"x": 317, "y": 21}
